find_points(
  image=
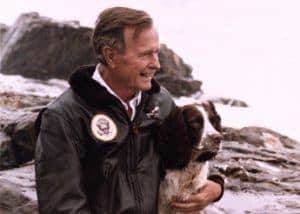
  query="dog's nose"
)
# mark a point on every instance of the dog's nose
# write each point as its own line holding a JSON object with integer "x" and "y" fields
{"x": 216, "y": 138}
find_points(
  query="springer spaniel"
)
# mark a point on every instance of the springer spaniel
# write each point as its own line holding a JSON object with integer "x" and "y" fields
{"x": 187, "y": 139}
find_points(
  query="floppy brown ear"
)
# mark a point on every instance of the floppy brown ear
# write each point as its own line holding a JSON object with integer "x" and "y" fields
{"x": 215, "y": 117}
{"x": 173, "y": 142}
{"x": 194, "y": 123}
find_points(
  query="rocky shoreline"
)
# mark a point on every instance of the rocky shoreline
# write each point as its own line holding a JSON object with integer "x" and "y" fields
{"x": 261, "y": 166}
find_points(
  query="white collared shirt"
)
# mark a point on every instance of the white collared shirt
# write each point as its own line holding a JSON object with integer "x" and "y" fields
{"x": 133, "y": 103}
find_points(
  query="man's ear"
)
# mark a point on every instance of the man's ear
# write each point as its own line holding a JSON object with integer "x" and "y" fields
{"x": 109, "y": 54}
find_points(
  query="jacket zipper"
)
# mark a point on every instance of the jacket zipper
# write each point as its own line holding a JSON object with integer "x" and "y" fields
{"x": 133, "y": 164}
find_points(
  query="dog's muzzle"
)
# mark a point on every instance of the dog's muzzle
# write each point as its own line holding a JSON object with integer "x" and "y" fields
{"x": 206, "y": 156}
{"x": 209, "y": 150}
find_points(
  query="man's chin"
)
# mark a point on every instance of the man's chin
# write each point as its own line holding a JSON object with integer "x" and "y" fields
{"x": 145, "y": 87}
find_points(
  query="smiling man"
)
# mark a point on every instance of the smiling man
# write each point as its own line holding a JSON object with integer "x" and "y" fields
{"x": 95, "y": 150}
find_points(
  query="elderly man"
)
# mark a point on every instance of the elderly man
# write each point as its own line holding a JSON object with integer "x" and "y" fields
{"x": 95, "y": 149}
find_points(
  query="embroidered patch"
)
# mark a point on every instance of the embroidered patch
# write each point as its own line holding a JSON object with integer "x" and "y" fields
{"x": 154, "y": 113}
{"x": 103, "y": 128}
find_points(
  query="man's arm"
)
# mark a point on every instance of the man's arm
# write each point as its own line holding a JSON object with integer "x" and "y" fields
{"x": 58, "y": 168}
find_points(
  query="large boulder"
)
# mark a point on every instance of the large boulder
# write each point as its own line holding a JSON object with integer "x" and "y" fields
{"x": 42, "y": 48}
{"x": 39, "y": 47}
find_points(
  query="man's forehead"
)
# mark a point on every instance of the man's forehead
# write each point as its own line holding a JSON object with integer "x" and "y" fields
{"x": 134, "y": 34}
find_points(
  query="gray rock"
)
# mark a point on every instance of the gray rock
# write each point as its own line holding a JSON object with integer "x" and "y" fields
{"x": 257, "y": 159}
{"x": 179, "y": 86}
{"x": 17, "y": 191}
{"x": 17, "y": 138}
{"x": 42, "y": 48}
{"x": 13, "y": 101}
{"x": 175, "y": 75}
{"x": 3, "y": 29}
{"x": 229, "y": 101}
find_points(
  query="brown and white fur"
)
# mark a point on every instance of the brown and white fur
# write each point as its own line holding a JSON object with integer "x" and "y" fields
{"x": 187, "y": 139}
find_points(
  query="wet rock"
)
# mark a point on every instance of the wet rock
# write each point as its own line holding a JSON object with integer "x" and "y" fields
{"x": 17, "y": 191}
{"x": 13, "y": 101}
{"x": 7, "y": 154}
{"x": 17, "y": 137}
{"x": 34, "y": 90}
{"x": 256, "y": 203}
{"x": 22, "y": 137}
{"x": 256, "y": 159}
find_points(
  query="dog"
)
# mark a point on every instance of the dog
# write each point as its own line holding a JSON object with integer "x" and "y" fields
{"x": 188, "y": 137}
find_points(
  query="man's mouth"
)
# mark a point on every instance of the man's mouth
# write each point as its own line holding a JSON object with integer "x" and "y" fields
{"x": 147, "y": 74}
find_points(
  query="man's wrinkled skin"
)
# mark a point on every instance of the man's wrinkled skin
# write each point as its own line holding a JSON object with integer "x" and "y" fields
{"x": 210, "y": 192}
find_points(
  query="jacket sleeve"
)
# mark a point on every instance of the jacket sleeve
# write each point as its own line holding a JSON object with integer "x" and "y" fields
{"x": 58, "y": 168}
{"x": 219, "y": 180}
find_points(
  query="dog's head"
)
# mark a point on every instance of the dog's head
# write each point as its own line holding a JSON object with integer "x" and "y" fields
{"x": 191, "y": 132}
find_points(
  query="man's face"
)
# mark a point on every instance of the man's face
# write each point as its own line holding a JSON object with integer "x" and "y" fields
{"x": 136, "y": 66}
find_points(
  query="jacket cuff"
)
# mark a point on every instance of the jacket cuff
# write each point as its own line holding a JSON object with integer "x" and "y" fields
{"x": 220, "y": 180}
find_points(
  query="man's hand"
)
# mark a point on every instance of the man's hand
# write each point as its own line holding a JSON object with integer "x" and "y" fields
{"x": 196, "y": 202}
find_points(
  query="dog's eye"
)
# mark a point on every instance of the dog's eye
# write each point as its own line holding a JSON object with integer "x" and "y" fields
{"x": 196, "y": 123}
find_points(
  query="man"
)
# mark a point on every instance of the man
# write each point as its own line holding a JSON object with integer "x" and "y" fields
{"x": 95, "y": 149}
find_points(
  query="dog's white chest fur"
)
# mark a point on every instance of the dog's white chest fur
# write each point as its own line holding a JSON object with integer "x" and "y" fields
{"x": 181, "y": 183}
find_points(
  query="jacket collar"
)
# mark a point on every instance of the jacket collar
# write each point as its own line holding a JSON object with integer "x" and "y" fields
{"x": 92, "y": 92}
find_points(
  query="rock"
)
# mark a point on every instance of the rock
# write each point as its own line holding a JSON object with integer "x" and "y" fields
{"x": 13, "y": 101}
{"x": 175, "y": 75}
{"x": 17, "y": 191}
{"x": 256, "y": 170}
{"x": 34, "y": 90}
{"x": 3, "y": 29}
{"x": 53, "y": 49}
{"x": 179, "y": 86}
{"x": 22, "y": 137}
{"x": 229, "y": 101}
{"x": 256, "y": 159}
{"x": 7, "y": 154}
{"x": 17, "y": 138}
{"x": 47, "y": 48}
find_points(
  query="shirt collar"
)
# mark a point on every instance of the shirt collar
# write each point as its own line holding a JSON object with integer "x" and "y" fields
{"x": 135, "y": 101}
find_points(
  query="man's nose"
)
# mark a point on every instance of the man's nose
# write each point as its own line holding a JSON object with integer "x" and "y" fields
{"x": 155, "y": 62}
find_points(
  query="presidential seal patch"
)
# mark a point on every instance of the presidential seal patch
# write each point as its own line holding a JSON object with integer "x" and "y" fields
{"x": 103, "y": 128}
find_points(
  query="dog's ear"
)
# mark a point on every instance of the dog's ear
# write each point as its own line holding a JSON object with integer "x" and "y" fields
{"x": 214, "y": 117}
{"x": 173, "y": 142}
{"x": 194, "y": 123}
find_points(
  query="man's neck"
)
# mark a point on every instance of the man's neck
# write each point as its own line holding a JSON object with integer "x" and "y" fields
{"x": 124, "y": 93}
